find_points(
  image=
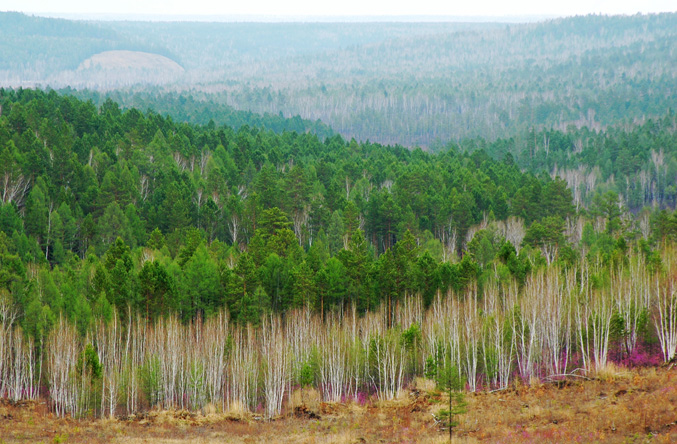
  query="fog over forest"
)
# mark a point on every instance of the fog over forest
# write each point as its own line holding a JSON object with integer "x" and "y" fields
{"x": 407, "y": 83}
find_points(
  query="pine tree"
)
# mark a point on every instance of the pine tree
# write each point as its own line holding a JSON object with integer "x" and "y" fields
{"x": 450, "y": 380}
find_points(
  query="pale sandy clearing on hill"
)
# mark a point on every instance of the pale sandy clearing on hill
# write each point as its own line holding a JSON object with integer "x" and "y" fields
{"x": 115, "y": 60}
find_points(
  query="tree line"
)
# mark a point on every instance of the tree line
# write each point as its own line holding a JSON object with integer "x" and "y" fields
{"x": 561, "y": 321}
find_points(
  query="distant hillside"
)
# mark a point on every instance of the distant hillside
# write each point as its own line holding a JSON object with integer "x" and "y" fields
{"x": 130, "y": 60}
{"x": 197, "y": 108}
{"x": 37, "y": 50}
{"x": 407, "y": 83}
{"x": 124, "y": 68}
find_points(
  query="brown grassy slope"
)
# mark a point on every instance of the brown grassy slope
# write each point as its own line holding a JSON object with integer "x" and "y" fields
{"x": 619, "y": 406}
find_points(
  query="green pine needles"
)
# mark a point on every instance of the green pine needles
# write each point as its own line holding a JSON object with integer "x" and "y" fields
{"x": 450, "y": 379}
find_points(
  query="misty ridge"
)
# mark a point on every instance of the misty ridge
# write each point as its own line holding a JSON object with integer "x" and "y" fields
{"x": 408, "y": 83}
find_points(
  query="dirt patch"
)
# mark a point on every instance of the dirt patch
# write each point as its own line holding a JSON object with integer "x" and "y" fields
{"x": 304, "y": 412}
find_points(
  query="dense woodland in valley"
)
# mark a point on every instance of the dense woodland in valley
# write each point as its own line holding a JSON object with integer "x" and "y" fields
{"x": 148, "y": 261}
{"x": 260, "y": 221}
{"x": 202, "y": 111}
{"x": 636, "y": 162}
{"x": 163, "y": 244}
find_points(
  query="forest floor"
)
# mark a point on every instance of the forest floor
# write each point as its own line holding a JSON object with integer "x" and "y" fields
{"x": 617, "y": 406}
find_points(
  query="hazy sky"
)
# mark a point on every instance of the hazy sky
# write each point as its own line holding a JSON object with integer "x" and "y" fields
{"x": 341, "y": 7}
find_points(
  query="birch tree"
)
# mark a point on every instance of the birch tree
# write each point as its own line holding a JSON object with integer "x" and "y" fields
{"x": 244, "y": 369}
{"x": 665, "y": 318}
{"x": 62, "y": 355}
{"x": 276, "y": 365}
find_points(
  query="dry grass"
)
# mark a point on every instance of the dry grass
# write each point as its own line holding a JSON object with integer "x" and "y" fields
{"x": 617, "y": 406}
{"x": 308, "y": 396}
{"x": 612, "y": 372}
{"x": 424, "y": 385}
{"x": 237, "y": 412}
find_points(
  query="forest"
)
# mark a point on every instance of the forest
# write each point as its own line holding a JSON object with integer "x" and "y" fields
{"x": 393, "y": 83}
{"x": 148, "y": 261}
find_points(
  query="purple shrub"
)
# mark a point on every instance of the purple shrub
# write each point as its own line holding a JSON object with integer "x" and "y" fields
{"x": 361, "y": 398}
{"x": 643, "y": 356}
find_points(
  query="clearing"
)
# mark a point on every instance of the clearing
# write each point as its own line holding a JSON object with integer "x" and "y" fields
{"x": 619, "y": 405}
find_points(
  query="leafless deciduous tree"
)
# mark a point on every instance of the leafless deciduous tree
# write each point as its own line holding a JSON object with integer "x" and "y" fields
{"x": 470, "y": 338}
{"x": 665, "y": 318}
{"x": 63, "y": 349}
{"x": 496, "y": 341}
{"x": 13, "y": 187}
{"x": 276, "y": 364}
{"x": 387, "y": 354}
{"x": 215, "y": 340}
{"x": 134, "y": 355}
{"x": 536, "y": 329}
{"x": 334, "y": 366}
{"x": 7, "y": 317}
{"x": 109, "y": 349}
{"x": 594, "y": 311}
{"x": 244, "y": 368}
